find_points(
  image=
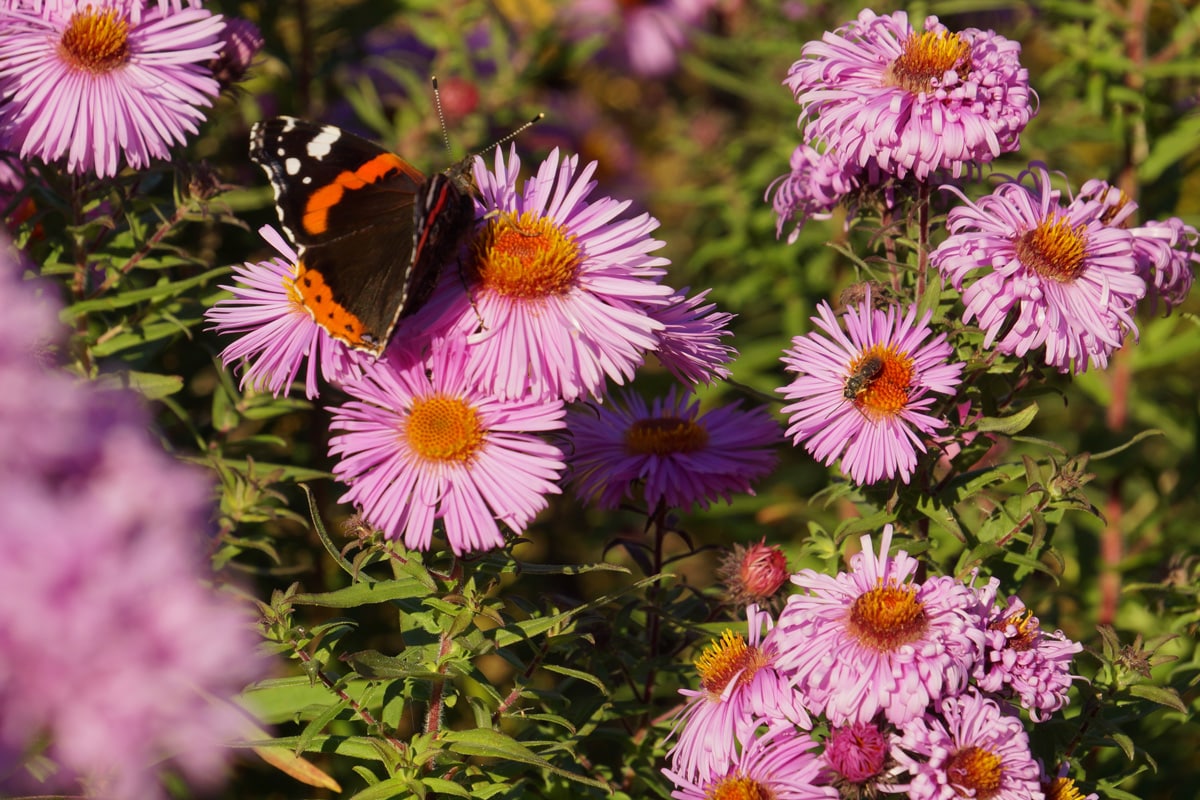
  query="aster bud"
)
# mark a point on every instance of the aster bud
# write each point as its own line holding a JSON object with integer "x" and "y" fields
{"x": 857, "y": 752}
{"x": 754, "y": 574}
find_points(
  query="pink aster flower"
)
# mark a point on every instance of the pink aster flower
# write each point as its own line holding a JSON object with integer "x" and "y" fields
{"x": 915, "y": 102}
{"x": 679, "y": 456}
{"x": 779, "y": 765}
{"x": 94, "y": 81}
{"x": 816, "y": 185}
{"x": 277, "y": 332}
{"x": 1043, "y": 274}
{"x": 1167, "y": 253}
{"x": 741, "y": 687}
{"x": 874, "y": 640}
{"x": 971, "y": 748}
{"x": 561, "y": 286}
{"x": 690, "y": 343}
{"x": 1164, "y": 251}
{"x": 419, "y": 442}
{"x": 1022, "y": 660}
{"x": 863, "y": 394}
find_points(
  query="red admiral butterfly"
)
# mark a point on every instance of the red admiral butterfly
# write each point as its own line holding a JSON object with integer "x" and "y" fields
{"x": 371, "y": 231}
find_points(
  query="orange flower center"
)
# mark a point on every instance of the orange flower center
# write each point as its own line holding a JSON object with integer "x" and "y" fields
{"x": 526, "y": 257}
{"x": 1053, "y": 249}
{"x": 879, "y": 381}
{"x": 737, "y": 787}
{"x": 664, "y": 436}
{"x": 976, "y": 769}
{"x": 887, "y": 617}
{"x": 95, "y": 41}
{"x": 726, "y": 658}
{"x": 442, "y": 428}
{"x": 926, "y": 57}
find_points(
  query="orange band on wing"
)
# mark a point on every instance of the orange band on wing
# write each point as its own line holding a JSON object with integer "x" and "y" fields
{"x": 316, "y": 211}
{"x": 317, "y": 299}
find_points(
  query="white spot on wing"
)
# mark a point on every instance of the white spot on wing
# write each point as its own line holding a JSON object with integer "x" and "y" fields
{"x": 291, "y": 166}
{"x": 321, "y": 144}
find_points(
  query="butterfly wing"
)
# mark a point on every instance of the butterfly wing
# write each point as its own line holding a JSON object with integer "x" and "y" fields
{"x": 348, "y": 205}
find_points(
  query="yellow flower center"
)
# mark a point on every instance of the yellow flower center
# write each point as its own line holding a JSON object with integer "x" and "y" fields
{"x": 526, "y": 257}
{"x": 664, "y": 436}
{"x": 725, "y": 658}
{"x": 1063, "y": 789}
{"x": 976, "y": 769}
{"x": 736, "y": 787}
{"x": 879, "y": 381}
{"x": 887, "y": 617}
{"x": 95, "y": 41}
{"x": 925, "y": 58}
{"x": 444, "y": 428}
{"x": 1053, "y": 249}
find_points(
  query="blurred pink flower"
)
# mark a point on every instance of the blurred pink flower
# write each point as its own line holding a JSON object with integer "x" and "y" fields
{"x": 645, "y": 36}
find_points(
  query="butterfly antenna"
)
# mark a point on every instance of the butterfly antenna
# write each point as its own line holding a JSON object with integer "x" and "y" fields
{"x": 508, "y": 137}
{"x": 437, "y": 101}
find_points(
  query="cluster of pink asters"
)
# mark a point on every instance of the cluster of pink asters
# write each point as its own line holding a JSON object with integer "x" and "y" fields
{"x": 916, "y": 686}
{"x": 881, "y": 101}
{"x": 461, "y": 422}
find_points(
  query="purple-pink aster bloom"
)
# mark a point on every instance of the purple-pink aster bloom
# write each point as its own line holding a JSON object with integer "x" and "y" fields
{"x": 645, "y": 37}
{"x": 1164, "y": 251}
{"x": 818, "y": 182}
{"x": 560, "y": 285}
{"x": 741, "y": 688}
{"x": 667, "y": 451}
{"x": 689, "y": 345}
{"x": 117, "y": 658}
{"x": 92, "y": 82}
{"x": 1022, "y": 660}
{"x": 778, "y": 765}
{"x": 858, "y": 755}
{"x": 864, "y": 393}
{"x": 277, "y": 333}
{"x": 915, "y": 102}
{"x": 971, "y": 748}
{"x": 1036, "y": 273}
{"x": 419, "y": 442}
{"x": 874, "y": 640}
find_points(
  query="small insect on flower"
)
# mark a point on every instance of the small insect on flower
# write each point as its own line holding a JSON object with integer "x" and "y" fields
{"x": 861, "y": 378}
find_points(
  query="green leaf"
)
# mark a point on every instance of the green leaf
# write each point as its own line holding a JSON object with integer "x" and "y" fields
{"x": 150, "y": 385}
{"x": 1164, "y": 696}
{"x": 391, "y": 788}
{"x": 493, "y": 744}
{"x": 1013, "y": 423}
{"x": 365, "y": 593}
{"x": 577, "y": 674}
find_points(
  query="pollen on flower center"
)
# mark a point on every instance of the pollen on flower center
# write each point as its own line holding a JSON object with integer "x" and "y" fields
{"x": 442, "y": 428}
{"x": 526, "y": 257}
{"x": 738, "y": 787}
{"x": 888, "y": 617}
{"x": 879, "y": 381}
{"x": 1027, "y": 630}
{"x": 976, "y": 769}
{"x": 665, "y": 436}
{"x": 726, "y": 659}
{"x": 95, "y": 40}
{"x": 926, "y": 58}
{"x": 1054, "y": 249}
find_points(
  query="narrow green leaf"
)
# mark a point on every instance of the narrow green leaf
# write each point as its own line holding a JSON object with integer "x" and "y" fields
{"x": 363, "y": 594}
{"x": 1013, "y": 423}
